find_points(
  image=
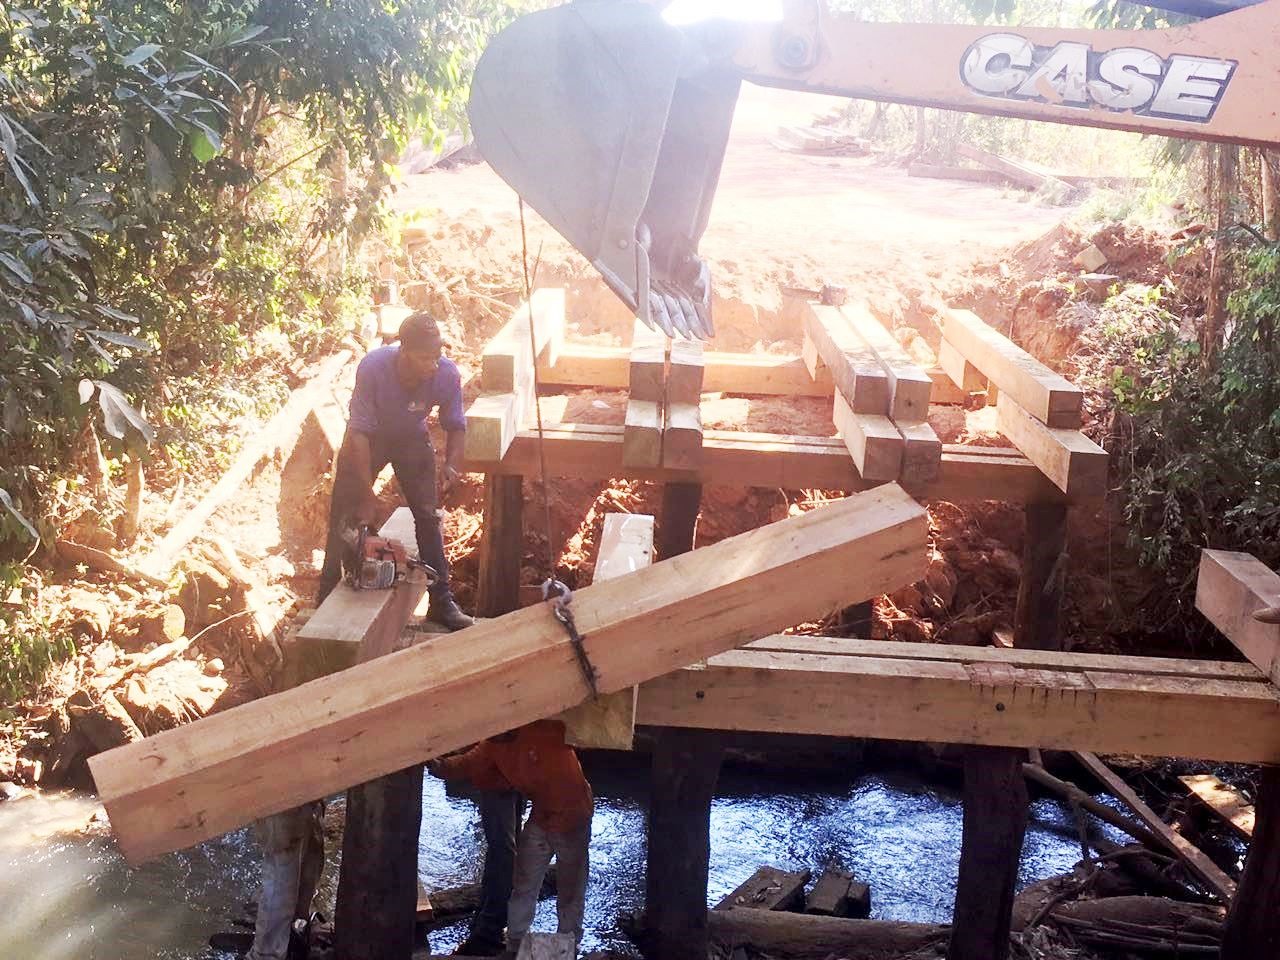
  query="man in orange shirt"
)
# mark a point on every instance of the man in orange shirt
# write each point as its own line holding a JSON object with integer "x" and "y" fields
{"x": 535, "y": 760}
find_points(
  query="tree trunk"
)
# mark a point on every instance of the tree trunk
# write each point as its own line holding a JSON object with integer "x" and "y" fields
{"x": 378, "y": 886}
{"x": 1253, "y": 925}
{"x": 1270, "y": 200}
{"x": 995, "y": 794}
{"x": 1224, "y": 182}
{"x": 801, "y": 935}
{"x": 131, "y": 519}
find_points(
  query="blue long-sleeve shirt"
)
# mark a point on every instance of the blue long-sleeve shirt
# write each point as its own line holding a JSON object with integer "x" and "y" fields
{"x": 380, "y": 406}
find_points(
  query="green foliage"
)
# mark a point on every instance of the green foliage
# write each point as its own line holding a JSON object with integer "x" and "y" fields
{"x": 180, "y": 186}
{"x": 29, "y": 643}
{"x": 1196, "y": 444}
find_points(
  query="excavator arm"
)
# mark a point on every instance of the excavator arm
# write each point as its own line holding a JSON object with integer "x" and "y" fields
{"x": 612, "y": 122}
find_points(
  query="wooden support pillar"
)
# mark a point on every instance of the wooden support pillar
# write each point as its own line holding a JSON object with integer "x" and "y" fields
{"x": 378, "y": 885}
{"x": 501, "y": 546}
{"x": 679, "y": 519}
{"x": 1253, "y": 924}
{"x": 686, "y": 765}
{"x": 995, "y": 794}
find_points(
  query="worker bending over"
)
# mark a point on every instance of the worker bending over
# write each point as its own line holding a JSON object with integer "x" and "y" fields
{"x": 535, "y": 760}
{"x": 396, "y": 389}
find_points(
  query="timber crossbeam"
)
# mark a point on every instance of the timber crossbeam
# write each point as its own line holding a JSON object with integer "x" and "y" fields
{"x": 1015, "y": 698}
{"x": 739, "y": 458}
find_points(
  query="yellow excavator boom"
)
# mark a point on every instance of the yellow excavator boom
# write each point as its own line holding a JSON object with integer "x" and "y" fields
{"x": 612, "y": 122}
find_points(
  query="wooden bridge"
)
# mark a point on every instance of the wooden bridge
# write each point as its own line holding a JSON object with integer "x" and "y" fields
{"x": 390, "y": 707}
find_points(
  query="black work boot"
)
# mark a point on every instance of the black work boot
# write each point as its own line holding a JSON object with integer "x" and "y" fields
{"x": 446, "y": 612}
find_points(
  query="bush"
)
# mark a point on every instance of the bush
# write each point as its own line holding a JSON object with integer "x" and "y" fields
{"x": 1195, "y": 444}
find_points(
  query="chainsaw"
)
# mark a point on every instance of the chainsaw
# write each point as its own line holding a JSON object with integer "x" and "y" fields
{"x": 372, "y": 562}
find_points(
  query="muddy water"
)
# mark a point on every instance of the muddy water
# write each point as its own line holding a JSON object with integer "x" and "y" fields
{"x": 69, "y": 895}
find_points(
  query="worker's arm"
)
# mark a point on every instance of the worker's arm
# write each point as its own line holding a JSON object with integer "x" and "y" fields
{"x": 454, "y": 421}
{"x": 455, "y": 440}
{"x": 475, "y": 765}
{"x": 357, "y": 451}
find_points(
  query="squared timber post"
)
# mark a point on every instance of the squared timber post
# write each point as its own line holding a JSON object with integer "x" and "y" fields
{"x": 995, "y": 793}
{"x": 378, "y": 882}
{"x": 608, "y": 722}
{"x": 686, "y": 765}
{"x": 501, "y": 545}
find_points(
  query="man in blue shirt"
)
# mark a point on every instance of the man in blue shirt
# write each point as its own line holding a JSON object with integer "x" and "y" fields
{"x": 396, "y": 389}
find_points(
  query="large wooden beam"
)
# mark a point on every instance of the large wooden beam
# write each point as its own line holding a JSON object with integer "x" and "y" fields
{"x": 909, "y": 385}
{"x": 743, "y": 459}
{"x": 501, "y": 546}
{"x": 493, "y": 420}
{"x": 1076, "y": 465}
{"x": 642, "y": 434}
{"x": 872, "y": 440}
{"x": 281, "y": 429}
{"x": 195, "y": 782}
{"x": 1048, "y": 397}
{"x": 1230, "y": 589}
{"x": 507, "y": 363}
{"x": 608, "y": 722}
{"x": 647, "y": 366}
{"x": 854, "y": 367}
{"x": 973, "y": 695}
{"x": 353, "y": 626}
{"x": 682, "y": 433}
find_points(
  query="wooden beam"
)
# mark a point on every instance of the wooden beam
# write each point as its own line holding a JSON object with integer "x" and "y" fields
{"x": 1075, "y": 464}
{"x": 647, "y": 368}
{"x": 854, "y": 367}
{"x": 1223, "y": 800}
{"x": 682, "y": 434}
{"x": 937, "y": 172}
{"x": 608, "y": 722}
{"x": 1205, "y": 870}
{"x": 354, "y": 626}
{"x": 507, "y": 363}
{"x": 642, "y": 434}
{"x": 1233, "y": 586}
{"x": 1031, "y": 659}
{"x": 751, "y": 374}
{"x": 769, "y": 889}
{"x": 501, "y": 546}
{"x": 280, "y": 430}
{"x": 960, "y": 371}
{"x": 687, "y": 372}
{"x": 981, "y": 701}
{"x": 909, "y": 385}
{"x": 1048, "y": 397}
{"x": 743, "y": 459}
{"x": 1017, "y": 171}
{"x": 873, "y": 441}
{"x": 682, "y": 438}
{"x": 781, "y": 934}
{"x": 195, "y": 782}
{"x": 493, "y": 420}
{"x": 921, "y": 452}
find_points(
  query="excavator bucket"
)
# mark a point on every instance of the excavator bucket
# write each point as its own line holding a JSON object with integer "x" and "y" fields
{"x": 612, "y": 125}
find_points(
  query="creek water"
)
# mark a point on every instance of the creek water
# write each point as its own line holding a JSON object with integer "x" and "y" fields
{"x": 68, "y": 895}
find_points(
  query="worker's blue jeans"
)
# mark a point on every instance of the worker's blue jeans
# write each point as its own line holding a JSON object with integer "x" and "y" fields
{"x": 414, "y": 461}
{"x": 500, "y": 813}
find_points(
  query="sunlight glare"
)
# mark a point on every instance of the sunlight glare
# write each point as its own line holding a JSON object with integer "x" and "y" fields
{"x": 682, "y": 12}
